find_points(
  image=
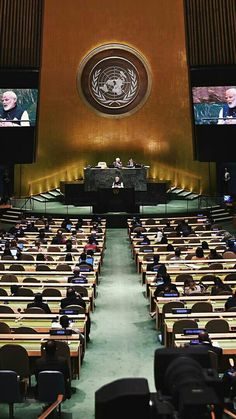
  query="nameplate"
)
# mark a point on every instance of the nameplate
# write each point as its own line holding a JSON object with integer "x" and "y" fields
{"x": 60, "y": 332}
{"x": 68, "y": 311}
{"x": 193, "y": 331}
{"x": 181, "y": 310}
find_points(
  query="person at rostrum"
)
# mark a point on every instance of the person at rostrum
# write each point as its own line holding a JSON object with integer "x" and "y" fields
{"x": 227, "y": 113}
{"x": 50, "y": 361}
{"x": 12, "y": 114}
{"x": 117, "y": 183}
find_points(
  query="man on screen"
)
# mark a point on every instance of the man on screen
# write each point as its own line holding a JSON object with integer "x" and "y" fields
{"x": 11, "y": 114}
{"x": 227, "y": 114}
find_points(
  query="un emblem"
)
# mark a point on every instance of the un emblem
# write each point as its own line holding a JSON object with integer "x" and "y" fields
{"x": 114, "y": 80}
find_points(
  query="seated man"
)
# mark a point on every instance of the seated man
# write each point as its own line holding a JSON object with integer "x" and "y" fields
{"x": 38, "y": 302}
{"x": 51, "y": 361}
{"x": 205, "y": 342}
{"x": 72, "y": 298}
{"x": 83, "y": 265}
{"x": 118, "y": 163}
{"x": 117, "y": 183}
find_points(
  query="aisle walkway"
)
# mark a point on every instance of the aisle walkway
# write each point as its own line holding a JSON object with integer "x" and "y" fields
{"x": 123, "y": 338}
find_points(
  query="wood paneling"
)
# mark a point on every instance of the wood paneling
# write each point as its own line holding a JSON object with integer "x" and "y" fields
{"x": 71, "y": 135}
{"x": 211, "y": 31}
{"x": 20, "y": 33}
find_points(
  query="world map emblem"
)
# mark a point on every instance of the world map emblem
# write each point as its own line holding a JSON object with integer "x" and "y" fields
{"x": 114, "y": 80}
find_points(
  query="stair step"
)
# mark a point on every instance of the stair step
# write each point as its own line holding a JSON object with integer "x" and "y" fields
{"x": 177, "y": 191}
{"x": 11, "y": 216}
{"x": 46, "y": 195}
{"x": 193, "y": 196}
{"x": 184, "y": 194}
{"x": 38, "y": 198}
{"x": 54, "y": 193}
{"x": 226, "y": 218}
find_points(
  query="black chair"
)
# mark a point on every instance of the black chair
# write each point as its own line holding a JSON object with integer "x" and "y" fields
{"x": 80, "y": 309}
{"x": 25, "y": 330}
{"x": 6, "y": 309}
{"x": 9, "y": 278}
{"x": 30, "y": 280}
{"x": 217, "y": 326}
{"x": 51, "y": 292}
{"x": 16, "y": 267}
{"x": 25, "y": 292}
{"x": 81, "y": 290}
{"x": 202, "y": 307}
{"x": 10, "y": 390}
{"x": 4, "y": 328}
{"x": 3, "y": 292}
{"x": 34, "y": 310}
{"x": 15, "y": 357}
{"x": 51, "y": 384}
{"x": 63, "y": 350}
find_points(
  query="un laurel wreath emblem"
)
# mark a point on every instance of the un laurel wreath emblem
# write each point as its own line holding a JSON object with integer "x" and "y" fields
{"x": 114, "y": 80}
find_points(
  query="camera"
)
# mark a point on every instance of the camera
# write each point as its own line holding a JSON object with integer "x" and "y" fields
{"x": 186, "y": 387}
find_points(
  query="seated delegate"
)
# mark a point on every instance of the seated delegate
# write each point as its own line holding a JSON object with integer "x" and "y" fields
{"x": 118, "y": 163}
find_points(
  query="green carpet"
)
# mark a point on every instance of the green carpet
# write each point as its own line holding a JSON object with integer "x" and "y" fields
{"x": 123, "y": 339}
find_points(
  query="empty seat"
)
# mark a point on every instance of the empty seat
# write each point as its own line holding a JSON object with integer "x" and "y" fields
{"x": 42, "y": 268}
{"x": 63, "y": 267}
{"x": 182, "y": 277}
{"x": 167, "y": 307}
{"x": 202, "y": 307}
{"x": 9, "y": 278}
{"x": 6, "y": 309}
{"x": 180, "y": 325}
{"x": 25, "y": 330}
{"x": 4, "y": 328}
{"x": 16, "y": 267}
{"x": 30, "y": 280}
{"x": 217, "y": 326}
{"x": 25, "y": 292}
{"x": 10, "y": 389}
{"x": 230, "y": 277}
{"x": 51, "y": 292}
{"x": 3, "y": 292}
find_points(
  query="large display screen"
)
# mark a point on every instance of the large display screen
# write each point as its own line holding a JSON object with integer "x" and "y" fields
{"x": 213, "y": 97}
{"x": 18, "y": 107}
{"x": 214, "y": 105}
{"x": 18, "y": 115}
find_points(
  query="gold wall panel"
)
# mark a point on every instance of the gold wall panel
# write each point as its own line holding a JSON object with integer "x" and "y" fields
{"x": 71, "y": 135}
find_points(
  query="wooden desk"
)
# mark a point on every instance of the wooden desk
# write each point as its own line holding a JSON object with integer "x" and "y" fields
{"x": 217, "y": 301}
{"x": 19, "y": 304}
{"x": 62, "y": 287}
{"x": 32, "y": 344}
{"x": 200, "y": 318}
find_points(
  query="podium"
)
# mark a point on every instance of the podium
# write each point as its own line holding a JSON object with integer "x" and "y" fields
{"x": 115, "y": 200}
{"x": 96, "y": 178}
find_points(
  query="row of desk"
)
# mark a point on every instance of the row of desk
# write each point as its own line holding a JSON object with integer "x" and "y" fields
{"x": 47, "y": 280}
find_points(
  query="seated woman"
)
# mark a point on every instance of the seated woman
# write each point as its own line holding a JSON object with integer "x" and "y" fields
{"x": 213, "y": 254}
{"x": 219, "y": 287}
{"x": 191, "y": 287}
{"x": 199, "y": 254}
{"x": 164, "y": 285}
{"x": 117, "y": 183}
{"x": 131, "y": 163}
